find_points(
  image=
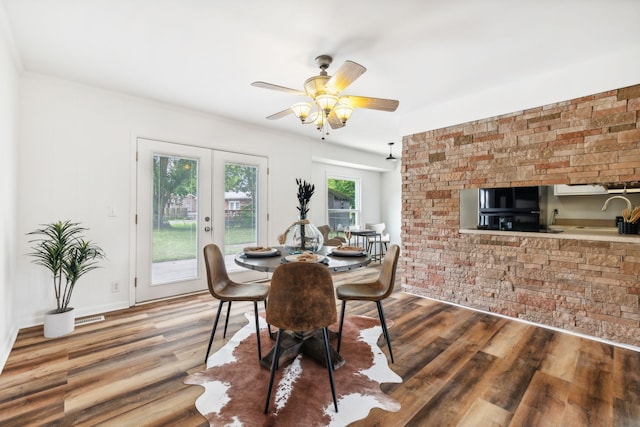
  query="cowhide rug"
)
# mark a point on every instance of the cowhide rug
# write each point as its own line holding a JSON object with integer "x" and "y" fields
{"x": 236, "y": 385}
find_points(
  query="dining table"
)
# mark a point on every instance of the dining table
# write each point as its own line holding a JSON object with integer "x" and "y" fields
{"x": 334, "y": 262}
{"x": 364, "y": 235}
{"x": 303, "y": 342}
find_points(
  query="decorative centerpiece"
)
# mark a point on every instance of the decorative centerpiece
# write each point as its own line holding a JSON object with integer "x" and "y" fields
{"x": 302, "y": 235}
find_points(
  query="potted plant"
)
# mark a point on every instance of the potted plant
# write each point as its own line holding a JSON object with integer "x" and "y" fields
{"x": 62, "y": 250}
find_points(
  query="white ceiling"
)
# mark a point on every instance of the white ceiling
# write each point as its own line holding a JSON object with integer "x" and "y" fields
{"x": 446, "y": 61}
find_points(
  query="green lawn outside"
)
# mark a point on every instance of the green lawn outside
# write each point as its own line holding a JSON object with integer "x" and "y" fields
{"x": 179, "y": 241}
{"x": 237, "y": 238}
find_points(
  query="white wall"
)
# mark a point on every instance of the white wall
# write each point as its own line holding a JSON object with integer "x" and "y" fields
{"x": 76, "y": 161}
{"x": 9, "y": 93}
{"x": 391, "y": 188}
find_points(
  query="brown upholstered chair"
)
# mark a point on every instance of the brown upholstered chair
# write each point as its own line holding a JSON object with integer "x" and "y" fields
{"x": 301, "y": 299}
{"x": 226, "y": 290}
{"x": 330, "y": 241}
{"x": 372, "y": 291}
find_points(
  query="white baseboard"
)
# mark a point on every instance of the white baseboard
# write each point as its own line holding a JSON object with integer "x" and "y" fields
{"x": 28, "y": 322}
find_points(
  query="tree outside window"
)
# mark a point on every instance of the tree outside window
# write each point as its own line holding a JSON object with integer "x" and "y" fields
{"x": 343, "y": 203}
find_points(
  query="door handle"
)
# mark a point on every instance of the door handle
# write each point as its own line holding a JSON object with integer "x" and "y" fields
{"x": 207, "y": 229}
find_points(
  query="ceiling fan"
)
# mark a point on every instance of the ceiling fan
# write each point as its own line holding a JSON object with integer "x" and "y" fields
{"x": 326, "y": 104}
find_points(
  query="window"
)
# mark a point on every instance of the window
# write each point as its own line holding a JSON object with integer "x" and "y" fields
{"x": 234, "y": 205}
{"x": 343, "y": 203}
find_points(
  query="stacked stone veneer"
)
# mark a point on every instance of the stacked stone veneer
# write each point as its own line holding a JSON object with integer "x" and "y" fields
{"x": 590, "y": 287}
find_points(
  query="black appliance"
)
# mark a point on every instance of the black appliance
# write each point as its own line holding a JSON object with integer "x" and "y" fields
{"x": 513, "y": 208}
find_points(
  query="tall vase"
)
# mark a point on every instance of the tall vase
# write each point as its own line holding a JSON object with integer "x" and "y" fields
{"x": 59, "y": 324}
{"x": 303, "y": 236}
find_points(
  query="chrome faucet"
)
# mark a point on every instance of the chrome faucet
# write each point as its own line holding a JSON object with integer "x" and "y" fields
{"x": 606, "y": 203}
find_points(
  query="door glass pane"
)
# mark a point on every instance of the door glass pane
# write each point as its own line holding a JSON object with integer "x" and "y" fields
{"x": 241, "y": 221}
{"x": 175, "y": 210}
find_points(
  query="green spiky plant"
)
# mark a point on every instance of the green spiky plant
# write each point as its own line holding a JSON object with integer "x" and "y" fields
{"x": 305, "y": 191}
{"x": 63, "y": 251}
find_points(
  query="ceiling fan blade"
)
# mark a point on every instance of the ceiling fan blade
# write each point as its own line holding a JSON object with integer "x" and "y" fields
{"x": 344, "y": 76}
{"x": 280, "y": 114}
{"x": 370, "y": 103}
{"x": 334, "y": 121}
{"x": 271, "y": 86}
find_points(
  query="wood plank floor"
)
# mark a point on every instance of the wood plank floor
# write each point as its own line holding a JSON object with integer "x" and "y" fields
{"x": 459, "y": 368}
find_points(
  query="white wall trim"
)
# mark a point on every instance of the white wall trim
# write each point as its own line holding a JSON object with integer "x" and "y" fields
{"x": 133, "y": 237}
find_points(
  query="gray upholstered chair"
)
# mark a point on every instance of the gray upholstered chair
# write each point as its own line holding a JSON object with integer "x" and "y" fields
{"x": 376, "y": 291}
{"x": 301, "y": 299}
{"x": 383, "y": 240}
{"x": 226, "y": 290}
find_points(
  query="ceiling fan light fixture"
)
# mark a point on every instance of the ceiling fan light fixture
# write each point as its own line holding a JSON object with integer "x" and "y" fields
{"x": 301, "y": 110}
{"x": 321, "y": 119}
{"x": 326, "y": 102}
{"x": 326, "y": 107}
{"x": 343, "y": 112}
{"x": 390, "y": 156}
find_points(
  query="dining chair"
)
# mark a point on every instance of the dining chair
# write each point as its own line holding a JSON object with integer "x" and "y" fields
{"x": 301, "y": 299}
{"x": 377, "y": 291}
{"x": 331, "y": 241}
{"x": 382, "y": 240}
{"x": 226, "y": 290}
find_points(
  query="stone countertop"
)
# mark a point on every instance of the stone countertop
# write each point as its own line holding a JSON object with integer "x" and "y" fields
{"x": 606, "y": 234}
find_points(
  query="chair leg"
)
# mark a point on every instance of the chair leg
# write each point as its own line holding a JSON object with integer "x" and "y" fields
{"x": 268, "y": 325}
{"x": 226, "y": 322}
{"x": 255, "y": 311}
{"x": 327, "y": 353}
{"x": 384, "y": 328}
{"x": 344, "y": 304}
{"x": 213, "y": 331}
{"x": 274, "y": 367}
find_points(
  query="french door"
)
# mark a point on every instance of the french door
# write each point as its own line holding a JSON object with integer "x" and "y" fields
{"x": 188, "y": 197}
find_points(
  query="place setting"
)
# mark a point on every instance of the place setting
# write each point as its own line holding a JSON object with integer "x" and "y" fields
{"x": 306, "y": 256}
{"x": 259, "y": 252}
{"x": 348, "y": 251}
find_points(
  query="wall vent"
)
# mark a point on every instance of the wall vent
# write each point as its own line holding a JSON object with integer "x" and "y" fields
{"x": 87, "y": 320}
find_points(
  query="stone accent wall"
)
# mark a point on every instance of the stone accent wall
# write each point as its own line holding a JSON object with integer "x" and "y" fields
{"x": 590, "y": 287}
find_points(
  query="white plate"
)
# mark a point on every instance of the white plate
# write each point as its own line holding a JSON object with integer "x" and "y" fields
{"x": 293, "y": 258}
{"x": 337, "y": 252}
{"x": 261, "y": 254}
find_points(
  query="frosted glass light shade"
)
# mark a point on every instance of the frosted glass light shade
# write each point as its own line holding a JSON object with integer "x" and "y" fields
{"x": 301, "y": 110}
{"x": 343, "y": 112}
{"x": 326, "y": 102}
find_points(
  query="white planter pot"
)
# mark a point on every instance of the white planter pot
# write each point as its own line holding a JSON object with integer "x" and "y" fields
{"x": 59, "y": 324}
